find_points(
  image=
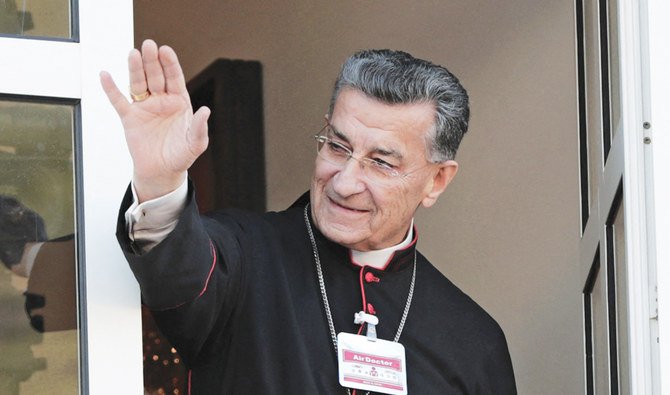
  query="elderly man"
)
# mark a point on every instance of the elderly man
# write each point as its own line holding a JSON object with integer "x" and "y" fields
{"x": 331, "y": 295}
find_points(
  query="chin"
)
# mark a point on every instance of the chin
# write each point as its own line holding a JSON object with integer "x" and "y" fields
{"x": 346, "y": 238}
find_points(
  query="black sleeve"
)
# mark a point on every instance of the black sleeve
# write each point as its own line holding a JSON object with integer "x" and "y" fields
{"x": 498, "y": 372}
{"x": 190, "y": 280}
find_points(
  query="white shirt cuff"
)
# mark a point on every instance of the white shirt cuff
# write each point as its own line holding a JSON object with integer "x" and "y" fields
{"x": 150, "y": 222}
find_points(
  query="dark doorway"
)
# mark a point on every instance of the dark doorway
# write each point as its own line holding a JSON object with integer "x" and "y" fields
{"x": 230, "y": 173}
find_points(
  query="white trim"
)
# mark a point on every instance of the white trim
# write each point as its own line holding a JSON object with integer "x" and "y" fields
{"x": 657, "y": 105}
{"x": 33, "y": 67}
{"x": 640, "y": 268}
{"x": 113, "y": 304}
{"x": 644, "y": 243}
{"x": 40, "y": 68}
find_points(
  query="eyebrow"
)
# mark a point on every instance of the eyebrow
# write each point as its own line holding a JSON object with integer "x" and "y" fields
{"x": 377, "y": 150}
{"x": 338, "y": 134}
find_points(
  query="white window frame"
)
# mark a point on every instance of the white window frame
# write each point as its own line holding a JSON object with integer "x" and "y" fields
{"x": 643, "y": 31}
{"x": 656, "y": 83}
{"x": 111, "y": 336}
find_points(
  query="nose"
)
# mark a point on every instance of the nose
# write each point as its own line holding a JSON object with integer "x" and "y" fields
{"x": 349, "y": 180}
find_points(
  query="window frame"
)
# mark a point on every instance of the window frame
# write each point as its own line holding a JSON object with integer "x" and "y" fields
{"x": 68, "y": 70}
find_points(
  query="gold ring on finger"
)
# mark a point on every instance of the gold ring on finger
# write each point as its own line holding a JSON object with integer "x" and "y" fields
{"x": 142, "y": 96}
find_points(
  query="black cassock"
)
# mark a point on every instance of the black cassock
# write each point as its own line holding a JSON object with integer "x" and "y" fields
{"x": 237, "y": 294}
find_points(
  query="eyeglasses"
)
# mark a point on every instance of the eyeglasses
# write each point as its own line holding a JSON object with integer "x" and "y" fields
{"x": 336, "y": 153}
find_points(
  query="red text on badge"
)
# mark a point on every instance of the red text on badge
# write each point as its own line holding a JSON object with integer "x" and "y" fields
{"x": 374, "y": 360}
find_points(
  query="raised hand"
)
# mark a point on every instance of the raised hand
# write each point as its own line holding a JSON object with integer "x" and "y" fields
{"x": 164, "y": 136}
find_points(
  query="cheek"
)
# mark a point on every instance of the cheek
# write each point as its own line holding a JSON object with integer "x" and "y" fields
{"x": 323, "y": 172}
{"x": 398, "y": 204}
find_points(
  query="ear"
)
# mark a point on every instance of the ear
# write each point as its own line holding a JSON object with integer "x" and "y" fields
{"x": 445, "y": 173}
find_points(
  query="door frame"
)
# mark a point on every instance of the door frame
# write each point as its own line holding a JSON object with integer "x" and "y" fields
{"x": 110, "y": 321}
{"x": 655, "y": 70}
{"x": 636, "y": 160}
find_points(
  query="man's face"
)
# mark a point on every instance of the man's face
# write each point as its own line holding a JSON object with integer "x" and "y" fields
{"x": 364, "y": 214}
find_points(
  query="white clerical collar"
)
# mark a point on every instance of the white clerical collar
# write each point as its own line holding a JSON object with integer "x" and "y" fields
{"x": 379, "y": 258}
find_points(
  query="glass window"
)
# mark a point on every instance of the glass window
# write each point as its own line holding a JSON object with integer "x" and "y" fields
{"x": 39, "y": 331}
{"x": 593, "y": 99}
{"x": 614, "y": 69}
{"x": 600, "y": 338}
{"x": 584, "y": 168}
{"x": 36, "y": 18}
{"x": 619, "y": 257}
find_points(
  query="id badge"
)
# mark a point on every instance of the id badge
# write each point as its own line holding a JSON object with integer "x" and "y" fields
{"x": 377, "y": 366}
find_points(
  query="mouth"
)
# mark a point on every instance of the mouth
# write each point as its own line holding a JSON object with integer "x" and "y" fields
{"x": 346, "y": 208}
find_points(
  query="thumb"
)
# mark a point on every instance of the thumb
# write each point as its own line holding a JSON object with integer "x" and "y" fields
{"x": 119, "y": 102}
{"x": 198, "y": 137}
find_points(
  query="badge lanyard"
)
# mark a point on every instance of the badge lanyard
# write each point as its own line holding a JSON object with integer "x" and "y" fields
{"x": 324, "y": 295}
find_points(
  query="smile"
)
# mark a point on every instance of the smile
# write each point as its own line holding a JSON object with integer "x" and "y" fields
{"x": 346, "y": 208}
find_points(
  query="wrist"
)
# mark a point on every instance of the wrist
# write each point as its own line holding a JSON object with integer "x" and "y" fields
{"x": 155, "y": 187}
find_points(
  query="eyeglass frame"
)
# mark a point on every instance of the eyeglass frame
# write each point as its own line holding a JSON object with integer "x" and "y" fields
{"x": 364, "y": 161}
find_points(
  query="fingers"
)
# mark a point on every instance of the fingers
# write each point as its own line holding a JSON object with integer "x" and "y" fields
{"x": 174, "y": 76}
{"x": 198, "y": 138}
{"x": 138, "y": 81}
{"x": 118, "y": 100}
{"x": 152, "y": 68}
{"x": 155, "y": 69}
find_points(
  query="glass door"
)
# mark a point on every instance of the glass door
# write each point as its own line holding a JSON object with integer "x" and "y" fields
{"x": 603, "y": 206}
{"x": 38, "y": 281}
{"x": 617, "y": 265}
{"x": 70, "y": 318}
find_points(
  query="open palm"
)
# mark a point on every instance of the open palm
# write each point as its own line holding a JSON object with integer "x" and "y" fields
{"x": 164, "y": 136}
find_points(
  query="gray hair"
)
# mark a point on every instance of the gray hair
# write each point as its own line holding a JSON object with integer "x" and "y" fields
{"x": 396, "y": 77}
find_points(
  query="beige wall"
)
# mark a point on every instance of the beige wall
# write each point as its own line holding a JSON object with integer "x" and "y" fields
{"x": 507, "y": 230}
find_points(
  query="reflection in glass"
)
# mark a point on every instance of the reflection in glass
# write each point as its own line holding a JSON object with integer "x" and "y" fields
{"x": 36, "y": 18}
{"x": 593, "y": 98}
{"x": 585, "y": 199}
{"x": 614, "y": 73}
{"x": 38, "y": 288}
{"x": 621, "y": 300}
{"x": 600, "y": 336}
